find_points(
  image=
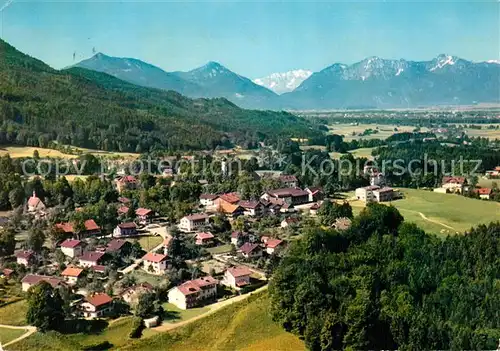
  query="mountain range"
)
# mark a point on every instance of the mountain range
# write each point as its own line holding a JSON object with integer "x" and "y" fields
{"x": 370, "y": 83}
{"x": 42, "y": 107}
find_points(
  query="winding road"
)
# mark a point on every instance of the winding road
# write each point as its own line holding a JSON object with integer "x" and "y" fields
{"x": 29, "y": 330}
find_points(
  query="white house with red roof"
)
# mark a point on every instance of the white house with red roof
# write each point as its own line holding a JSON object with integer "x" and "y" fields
{"x": 154, "y": 263}
{"x": 125, "y": 229}
{"x": 25, "y": 257}
{"x": 90, "y": 258}
{"x": 273, "y": 246}
{"x": 36, "y": 205}
{"x": 484, "y": 193}
{"x": 193, "y": 292}
{"x": 237, "y": 277}
{"x": 97, "y": 305}
{"x": 204, "y": 238}
{"x": 72, "y": 247}
{"x": 30, "y": 280}
{"x": 193, "y": 222}
{"x": 249, "y": 250}
{"x": 144, "y": 215}
{"x": 291, "y": 196}
{"x": 207, "y": 200}
{"x": 71, "y": 274}
{"x": 126, "y": 182}
{"x": 252, "y": 208}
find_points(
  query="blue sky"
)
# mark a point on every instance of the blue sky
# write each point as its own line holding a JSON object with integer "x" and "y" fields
{"x": 251, "y": 38}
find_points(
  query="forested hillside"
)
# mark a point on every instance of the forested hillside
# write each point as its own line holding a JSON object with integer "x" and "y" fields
{"x": 385, "y": 284}
{"x": 94, "y": 110}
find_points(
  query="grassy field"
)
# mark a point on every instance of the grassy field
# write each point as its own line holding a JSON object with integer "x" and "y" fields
{"x": 7, "y": 334}
{"x": 116, "y": 333}
{"x": 27, "y": 151}
{"x": 177, "y": 315}
{"x": 384, "y": 130}
{"x": 14, "y": 313}
{"x": 244, "y": 326}
{"x": 148, "y": 242}
{"x": 143, "y": 277}
{"x": 363, "y": 152}
{"x": 220, "y": 249}
{"x": 488, "y": 183}
{"x": 442, "y": 214}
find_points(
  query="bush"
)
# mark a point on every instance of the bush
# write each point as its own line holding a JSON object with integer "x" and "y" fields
{"x": 103, "y": 345}
{"x": 137, "y": 328}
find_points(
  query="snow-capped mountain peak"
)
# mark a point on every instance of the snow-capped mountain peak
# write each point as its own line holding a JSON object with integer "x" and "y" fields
{"x": 443, "y": 60}
{"x": 284, "y": 82}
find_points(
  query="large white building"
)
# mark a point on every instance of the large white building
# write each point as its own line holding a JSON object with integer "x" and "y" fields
{"x": 374, "y": 193}
{"x": 155, "y": 263}
{"x": 237, "y": 277}
{"x": 193, "y": 222}
{"x": 193, "y": 292}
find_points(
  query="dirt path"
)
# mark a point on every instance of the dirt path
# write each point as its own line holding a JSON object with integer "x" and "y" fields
{"x": 29, "y": 330}
{"x": 213, "y": 308}
{"x": 436, "y": 222}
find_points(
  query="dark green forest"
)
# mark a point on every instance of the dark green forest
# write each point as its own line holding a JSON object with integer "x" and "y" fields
{"x": 385, "y": 284}
{"x": 89, "y": 109}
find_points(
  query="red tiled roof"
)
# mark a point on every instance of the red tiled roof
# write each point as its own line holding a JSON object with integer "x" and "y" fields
{"x": 70, "y": 243}
{"x": 91, "y": 256}
{"x": 24, "y": 254}
{"x": 196, "y": 216}
{"x": 204, "y": 236}
{"x": 143, "y": 211}
{"x": 287, "y": 178}
{"x": 33, "y": 201}
{"x": 249, "y": 204}
{"x": 239, "y": 271}
{"x": 98, "y": 299}
{"x": 7, "y": 272}
{"x": 123, "y": 200}
{"x": 128, "y": 225}
{"x": 229, "y": 208}
{"x": 127, "y": 179}
{"x": 90, "y": 225}
{"x": 72, "y": 272}
{"x": 484, "y": 191}
{"x": 123, "y": 210}
{"x": 232, "y": 198}
{"x": 194, "y": 286}
{"x": 287, "y": 192}
{"x": 154, "y": 257}
{"x": 33, "y": 279}
{"x": 99, "y": 268}
{"x": 314, "y": 190}
{"x": 115, "y": 244}
{"x": 457, "y": 180}
{"x": 208, "y": 196}
{"x": 273, "y": 243}
{"x": 248, "y": 248}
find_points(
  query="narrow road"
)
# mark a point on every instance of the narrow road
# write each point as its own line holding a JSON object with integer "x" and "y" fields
{"x": 436, "y": 222}
{"x": 213, "y": 308}
{"x": 29, "y": 330}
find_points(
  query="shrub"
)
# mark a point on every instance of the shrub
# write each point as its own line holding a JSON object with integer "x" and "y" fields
{"x": 137, "y": 327}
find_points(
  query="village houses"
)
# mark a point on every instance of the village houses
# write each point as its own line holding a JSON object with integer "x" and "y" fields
{"x": 90, "y": 258}
{"x": 71, "y": 275}
{"x": 30, "y": 280}
{"x": 90, "y": 229}
{"x": 125, "y": 229}
{"x": 249, "y": 250}
{"x": 25, "y": 258}
{"x": 193, "y": 292}
{"x": 204, "y": 239}
{"x": 36, "y": 206}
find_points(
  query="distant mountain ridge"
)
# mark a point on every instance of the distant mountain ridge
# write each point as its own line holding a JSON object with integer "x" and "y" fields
{"x": 210, "y": 80}
{"x": 371, "y": 83}
{"x": 284, "y": 82}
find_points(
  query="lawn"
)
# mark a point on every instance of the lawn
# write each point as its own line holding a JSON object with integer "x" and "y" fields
{"x": 445, "y": 213}
{"x": 245, "y": 326}
{"x": 147, "y": 242}
{"x": 384, "y": 130}
{"x": 7, "y": 334}
{"x": 220, "y": 249}
{"x": 143, "y": 277}
{"x": 177, "y": 315}
{"x": 116, "y": 333}
{"x": 26, "y": 151}
{"x": 357, "y": 153}
{"x": 14, "y": 313}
